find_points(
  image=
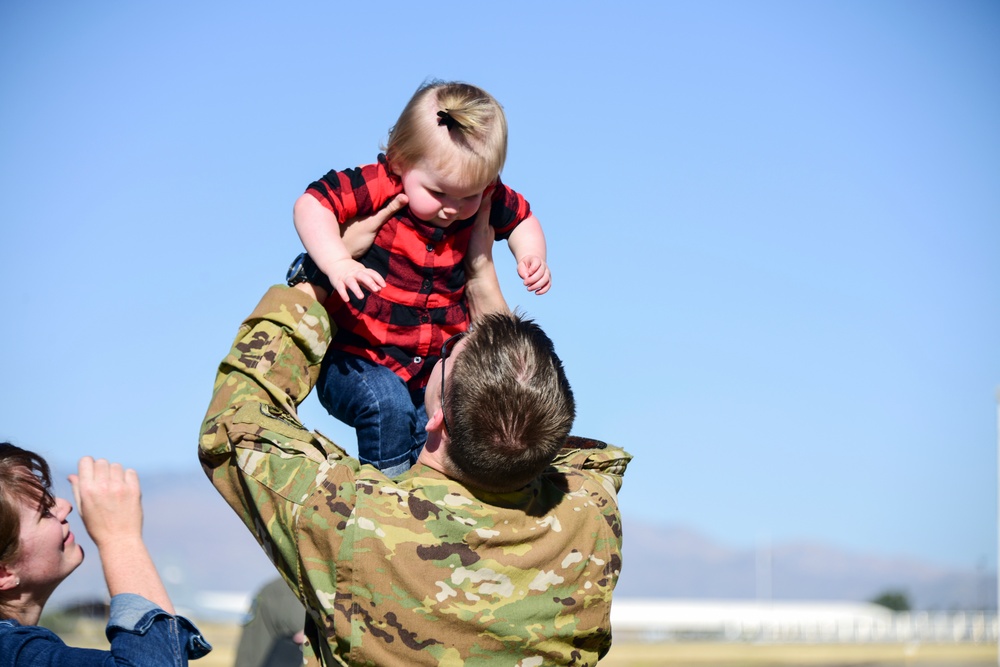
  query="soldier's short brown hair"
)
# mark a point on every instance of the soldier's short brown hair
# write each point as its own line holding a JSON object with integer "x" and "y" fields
{"x": 509, "y": 404}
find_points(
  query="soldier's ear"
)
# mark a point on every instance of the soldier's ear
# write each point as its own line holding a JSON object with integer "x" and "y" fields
{"x": 435, "y": 421}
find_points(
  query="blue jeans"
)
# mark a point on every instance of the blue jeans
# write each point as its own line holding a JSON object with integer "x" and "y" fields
{"x": 388, "y": 418}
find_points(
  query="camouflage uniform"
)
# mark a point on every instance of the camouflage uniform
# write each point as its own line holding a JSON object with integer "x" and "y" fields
{"x": 416, "y": 570}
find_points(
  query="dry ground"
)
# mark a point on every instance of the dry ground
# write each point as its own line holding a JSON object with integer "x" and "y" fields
{"x": 812, "y": 655}
{"x": 223, "y": 638}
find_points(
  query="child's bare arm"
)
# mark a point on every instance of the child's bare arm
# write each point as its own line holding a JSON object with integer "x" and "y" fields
{"x": 320, "y": 234}
{"x": 358, "y": 236}
{"x": 527, "y": 242}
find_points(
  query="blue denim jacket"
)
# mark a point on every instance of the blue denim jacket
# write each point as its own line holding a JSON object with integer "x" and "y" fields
{"x": 140, "y": 633}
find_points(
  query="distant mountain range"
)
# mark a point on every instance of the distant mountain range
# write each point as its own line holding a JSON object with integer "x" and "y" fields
{"x": 199, "y": 546}
{"x": 679, "y": 562}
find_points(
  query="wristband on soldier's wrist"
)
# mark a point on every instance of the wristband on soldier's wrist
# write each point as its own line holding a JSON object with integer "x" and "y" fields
{"x": 304, "y": 270}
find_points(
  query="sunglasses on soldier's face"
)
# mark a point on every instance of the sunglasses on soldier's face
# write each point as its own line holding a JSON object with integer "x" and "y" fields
{"x": 446, "y": 349}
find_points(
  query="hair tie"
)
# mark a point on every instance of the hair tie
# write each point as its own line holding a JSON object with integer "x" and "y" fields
{"x": 445, "y": 118}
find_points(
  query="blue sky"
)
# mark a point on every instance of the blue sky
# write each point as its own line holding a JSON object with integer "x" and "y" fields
{"x": 773, "y": 229}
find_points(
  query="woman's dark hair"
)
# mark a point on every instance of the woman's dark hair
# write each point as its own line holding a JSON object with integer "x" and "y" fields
{"x": 24, "y": 478}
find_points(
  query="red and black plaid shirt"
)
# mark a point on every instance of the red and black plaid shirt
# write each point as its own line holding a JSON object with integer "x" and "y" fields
{"x": 423, "y": 302}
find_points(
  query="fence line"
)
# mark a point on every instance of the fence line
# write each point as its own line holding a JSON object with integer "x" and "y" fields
{"x": 735, "y": 623}
{"x": 938, "y": 627}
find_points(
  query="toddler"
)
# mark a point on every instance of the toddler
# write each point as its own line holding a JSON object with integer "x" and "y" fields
{"x": 396, "y": 305}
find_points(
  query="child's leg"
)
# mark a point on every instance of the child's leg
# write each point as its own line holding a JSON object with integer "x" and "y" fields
{"x": 377, "y": 403}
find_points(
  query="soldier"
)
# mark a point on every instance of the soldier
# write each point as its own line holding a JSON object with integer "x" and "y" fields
{"x": 272, "y": 633}
{"x": 501, "y": 546}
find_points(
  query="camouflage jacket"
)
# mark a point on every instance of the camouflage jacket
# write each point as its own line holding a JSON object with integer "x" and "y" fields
{"x": 415, "y": 570}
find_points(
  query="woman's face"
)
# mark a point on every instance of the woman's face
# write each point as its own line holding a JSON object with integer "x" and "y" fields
{"x": 48, "y": 549}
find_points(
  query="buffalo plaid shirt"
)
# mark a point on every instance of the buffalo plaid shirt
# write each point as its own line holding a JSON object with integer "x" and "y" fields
{"x": 423, "y": 302}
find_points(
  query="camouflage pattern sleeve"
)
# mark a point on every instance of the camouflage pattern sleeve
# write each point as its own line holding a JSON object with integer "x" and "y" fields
{"x": 607, "y": 461}
{"x": 253, "y": 448}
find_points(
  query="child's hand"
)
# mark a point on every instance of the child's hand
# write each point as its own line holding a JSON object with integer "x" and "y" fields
{"x": 349, "y": 274}
{"x": 535, "y": 273}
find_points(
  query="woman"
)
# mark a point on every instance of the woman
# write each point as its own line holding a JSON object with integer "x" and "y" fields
{"x": 38, "y": 551}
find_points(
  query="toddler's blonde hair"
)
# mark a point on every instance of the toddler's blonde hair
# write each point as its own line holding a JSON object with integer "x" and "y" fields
{"x": 455, "y": 126}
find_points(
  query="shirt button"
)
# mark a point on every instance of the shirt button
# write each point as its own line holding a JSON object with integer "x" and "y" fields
{"x": 430, "y": 247}
{"x": 418, "y": 360}
{"x": 424, "y": 319}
